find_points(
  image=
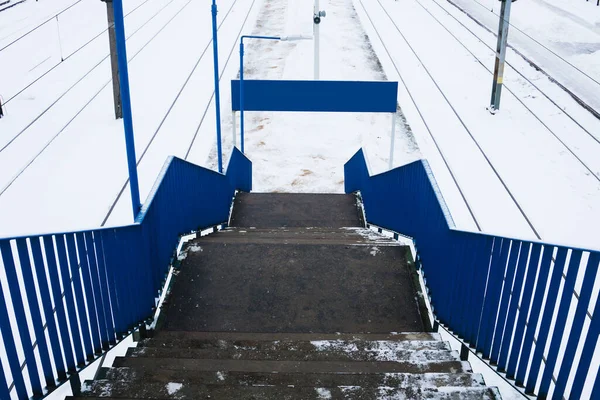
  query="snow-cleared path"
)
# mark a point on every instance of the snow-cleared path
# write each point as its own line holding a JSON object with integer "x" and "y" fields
{"x": 306, "y": 152}
{"x": 554, "y": 185}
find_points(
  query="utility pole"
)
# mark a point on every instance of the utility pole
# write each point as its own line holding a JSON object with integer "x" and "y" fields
{"x": 114, "y": 64}
{"x": 500, "y": 55}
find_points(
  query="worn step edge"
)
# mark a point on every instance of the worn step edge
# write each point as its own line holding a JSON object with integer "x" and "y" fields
{"x": 291, "y": 366}
{"x": 296, "y": 379}
{"x": 184, "y": 391}
{"x": 231, "y": 336}
{"x": 297, "y": 345}
{"x": 339, "y": 353}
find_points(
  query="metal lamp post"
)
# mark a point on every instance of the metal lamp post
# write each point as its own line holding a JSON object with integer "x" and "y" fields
{"x": 281, "y": 38}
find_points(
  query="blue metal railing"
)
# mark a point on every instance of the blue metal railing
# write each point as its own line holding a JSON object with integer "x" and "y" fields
{"x": 109, "y": 277}
{"x": 493, "y": 291}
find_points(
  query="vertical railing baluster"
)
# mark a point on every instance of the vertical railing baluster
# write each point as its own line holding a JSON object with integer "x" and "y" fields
{"x": 43, "y": 280}
{"x": 4, "y": 392}
{"x": 511, "y": 316}
{"x": 545, "y": 326}
{"x": 98, "y": 295}
{"x": 92, "y": 305}
{"x": 532, "y": 269}
{"x": 494, "y": 288}
{"x": 559, "y": 324}
{"x": 79, "y": 300}
{"x": 586, "y": 354}
{"x": 59, "y": 306}
{"x": 8, "y": 338}
{"x": 534, "y": 314}
{"x": 585, "y": 294}
{"x": 69, "y": 299}
{"x": 19, "y": 310}
{"x": 503, "y": 308}
{"x": 107, "y": 295}
{"x": 35, "y": 312}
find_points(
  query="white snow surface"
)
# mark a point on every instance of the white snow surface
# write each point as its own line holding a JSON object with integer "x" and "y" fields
{"x": 563, "y": 39}
{"x": 323, "y": 393}
{"x": 173, "y": 387}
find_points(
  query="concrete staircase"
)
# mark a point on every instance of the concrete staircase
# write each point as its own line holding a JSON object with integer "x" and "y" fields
{"x": 296, "y": 300}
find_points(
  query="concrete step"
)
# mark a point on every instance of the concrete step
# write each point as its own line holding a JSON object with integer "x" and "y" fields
{"x": 177, "y": 390}
{"x": 275, "y": 210}
{"x": 202, "y": 339}
{"x": 294, "y": 288}
{"x": 301, "y": 346}
{"x": 405, "y": 380}
{"x": 316, "y": 351}
{"x": 190, "y": 364}
{"x": 322, "y": 236}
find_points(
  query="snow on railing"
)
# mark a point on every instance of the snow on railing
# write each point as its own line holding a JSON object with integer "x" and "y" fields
{"x": 513, "y": 300}
{"x": 66, "y": 298}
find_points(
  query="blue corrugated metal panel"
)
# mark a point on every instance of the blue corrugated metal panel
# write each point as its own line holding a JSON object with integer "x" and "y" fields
{"x": 315, "y": 96}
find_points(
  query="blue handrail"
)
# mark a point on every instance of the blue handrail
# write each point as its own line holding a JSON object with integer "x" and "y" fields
{"x": 490, "y": 289}
{"x": 110, "y": 277}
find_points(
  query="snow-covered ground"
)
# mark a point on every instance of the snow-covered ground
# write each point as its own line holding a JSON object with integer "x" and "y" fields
{"x": 306, "y": 152}
{"x": 560, "y": 36}
{"x": 541, "y": 145}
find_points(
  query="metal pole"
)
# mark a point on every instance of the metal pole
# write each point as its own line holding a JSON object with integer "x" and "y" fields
{"x": 500, "y": 55}
{"x": 242, "y": 94}
{"x": 242, "y": 76}
{"x": 126, "y": 103}
{"x": 217, "y": 91}
{"x": 114, "y": 63}
{"x": 316, "y": 39}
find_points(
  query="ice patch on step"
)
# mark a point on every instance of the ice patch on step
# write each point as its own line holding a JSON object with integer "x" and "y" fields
{"x": 195, "y": 248}
{"x": 374, "y": 251}
{"x": 173, "y": 388}
{"x": 323, "y": 393}
{"x": 220, "y": 376}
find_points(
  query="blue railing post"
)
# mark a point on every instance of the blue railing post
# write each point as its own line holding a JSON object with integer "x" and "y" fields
{"x": 242, "y": 93}
{"x": 126, "y": 106}
{"x": 217, "y": 92}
